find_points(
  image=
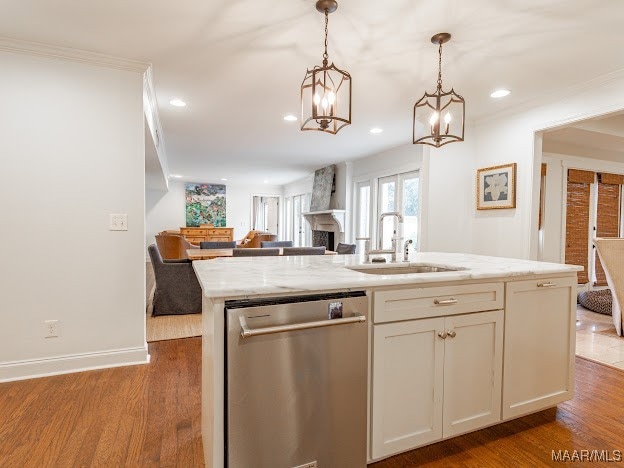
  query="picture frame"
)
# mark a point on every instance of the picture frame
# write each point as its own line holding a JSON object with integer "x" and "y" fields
{"x": 496, "y": 187}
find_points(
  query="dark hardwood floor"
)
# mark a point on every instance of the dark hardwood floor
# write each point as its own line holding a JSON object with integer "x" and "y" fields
{"x": 150, "y": 416}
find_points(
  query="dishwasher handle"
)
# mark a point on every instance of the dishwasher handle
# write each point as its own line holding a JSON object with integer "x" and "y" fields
{"x": 247, "y": 332}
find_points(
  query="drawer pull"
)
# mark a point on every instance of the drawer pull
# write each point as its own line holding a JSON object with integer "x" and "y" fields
{"x": 452, "y": 334}
{"x": 450, "y": 301}
{"x": 546, "y": 285}
{"x": 442, "y": 335}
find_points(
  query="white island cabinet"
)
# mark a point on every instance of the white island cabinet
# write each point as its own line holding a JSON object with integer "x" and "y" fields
{"x": 539, "y": 344}
{"x": 434, "y": 378}
{"x": 449, "y": 352}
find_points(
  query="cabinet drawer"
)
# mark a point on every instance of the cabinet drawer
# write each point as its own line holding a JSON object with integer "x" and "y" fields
{"x": 195, "y": 240}
{"x": 407, "y": 304}
{"x": 193, "y": 232}
{"x": 219, "y": 239}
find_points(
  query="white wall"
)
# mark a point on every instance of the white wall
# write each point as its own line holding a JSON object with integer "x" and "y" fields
{"x": 510, "y": 138}
{"x": 72, "y": 146}
{"x": 166, "y": 210}
{"x": 449, "y": 209}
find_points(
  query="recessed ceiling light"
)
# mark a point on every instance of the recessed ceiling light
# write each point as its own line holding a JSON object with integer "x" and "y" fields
{"x": 177, "y": 102}
{"x": 290, "y": 118}
{"x": 175, "y": 176}
{"x": 499, "y": 93}
{"x": 376, "y": 130}
{"x": 223, "y": 179}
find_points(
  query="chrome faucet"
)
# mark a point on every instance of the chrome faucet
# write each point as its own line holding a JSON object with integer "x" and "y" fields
{"x": 380, "y": 249}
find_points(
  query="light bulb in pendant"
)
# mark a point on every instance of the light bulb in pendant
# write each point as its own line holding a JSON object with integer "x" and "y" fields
{"x": 324, "y": 103}
{"x": 433, "y": 119}
{"x": 331, "y": 97}
{"x": 317, "y": 99}
{"x": 447, "y": 121}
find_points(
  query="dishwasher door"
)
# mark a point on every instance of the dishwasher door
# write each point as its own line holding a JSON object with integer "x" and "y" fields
{"x": 296, "y": 382}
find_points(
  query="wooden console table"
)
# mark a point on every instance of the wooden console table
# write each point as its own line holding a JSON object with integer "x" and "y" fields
{"x": 195, "y": 235}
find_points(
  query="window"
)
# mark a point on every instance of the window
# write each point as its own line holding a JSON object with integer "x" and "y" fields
{"x": 593, "y": 209}
{"x": 399, "y": 193}
{"x": 363, "y": 196}
{"x": 302, "y": 234}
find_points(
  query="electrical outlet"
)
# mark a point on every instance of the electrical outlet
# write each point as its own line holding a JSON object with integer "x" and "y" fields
{"x": 118, "y": 222}
{"x": 51, "y": 328}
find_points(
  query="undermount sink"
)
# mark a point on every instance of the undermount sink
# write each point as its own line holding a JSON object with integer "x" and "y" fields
{"x": 402, "y": 269}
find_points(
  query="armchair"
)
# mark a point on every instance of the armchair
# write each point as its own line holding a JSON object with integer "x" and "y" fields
{"x": 611, "y": 253}
{"x": 177, "y": 289}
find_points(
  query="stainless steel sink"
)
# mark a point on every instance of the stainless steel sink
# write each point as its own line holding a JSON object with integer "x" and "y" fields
{"x": 402, "y": 269}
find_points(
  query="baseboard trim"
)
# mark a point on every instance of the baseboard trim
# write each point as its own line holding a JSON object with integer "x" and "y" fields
{"x": 36, "y": 368}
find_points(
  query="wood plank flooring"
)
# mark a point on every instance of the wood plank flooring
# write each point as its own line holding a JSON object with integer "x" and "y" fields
{"x": 146, "y": 415}
{"x": 150, "y": 416}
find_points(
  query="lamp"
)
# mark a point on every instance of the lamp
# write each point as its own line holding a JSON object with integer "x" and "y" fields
{"x": 326, "y": 90}
{"x": 439, "y": 116}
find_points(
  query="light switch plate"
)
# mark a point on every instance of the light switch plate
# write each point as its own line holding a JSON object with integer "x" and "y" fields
{"x": 118, "y": 222}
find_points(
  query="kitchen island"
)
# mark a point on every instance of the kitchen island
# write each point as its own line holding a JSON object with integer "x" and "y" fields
{"x": 479, "y": 341}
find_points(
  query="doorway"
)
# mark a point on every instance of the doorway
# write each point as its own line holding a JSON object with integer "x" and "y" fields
{"x": 265, "y": 213}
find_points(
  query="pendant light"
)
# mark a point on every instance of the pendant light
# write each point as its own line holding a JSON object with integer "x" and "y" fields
{"x": 439, "y": 116}
{"x": 326, "y": 90}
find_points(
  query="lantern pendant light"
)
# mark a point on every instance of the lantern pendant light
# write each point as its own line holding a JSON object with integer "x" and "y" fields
{"x": 439, "y": 116}
{"x": 326, "y": 90}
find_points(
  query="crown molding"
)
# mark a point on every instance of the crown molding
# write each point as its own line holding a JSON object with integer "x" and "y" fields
{"x": 555, "y": 96}
{"x": 73, "y": 55}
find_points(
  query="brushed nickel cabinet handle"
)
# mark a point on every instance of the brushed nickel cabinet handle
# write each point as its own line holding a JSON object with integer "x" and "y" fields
{"x": 546, "y": 285}
{"x": 442, "y": 335}
{"x": 450, "y": 301}
{"x": 452, "y": 334}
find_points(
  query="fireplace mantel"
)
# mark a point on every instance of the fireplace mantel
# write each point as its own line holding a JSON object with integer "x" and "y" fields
{"x": 326, "y": 220}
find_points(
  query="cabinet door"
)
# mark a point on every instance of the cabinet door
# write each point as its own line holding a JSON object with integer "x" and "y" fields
{"x": 473, "y": 368}
{"x": 407, "y": 385}
{"x": 540, "y": 320}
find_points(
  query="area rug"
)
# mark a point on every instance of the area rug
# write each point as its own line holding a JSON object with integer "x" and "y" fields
{"x": 173, "y": 327}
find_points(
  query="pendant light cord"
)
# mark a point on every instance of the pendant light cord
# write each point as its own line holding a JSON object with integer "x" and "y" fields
{"x": 440, "y": 67}
{"x": 325, "y": 54}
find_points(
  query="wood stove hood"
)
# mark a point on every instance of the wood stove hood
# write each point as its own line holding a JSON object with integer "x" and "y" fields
{"x": 326, "y": 220}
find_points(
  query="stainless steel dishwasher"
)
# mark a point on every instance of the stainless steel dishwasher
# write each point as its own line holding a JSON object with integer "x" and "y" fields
{"x": 296, "y": 379}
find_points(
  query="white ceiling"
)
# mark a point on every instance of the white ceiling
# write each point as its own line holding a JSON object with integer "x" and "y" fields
{"x": 598, "y": 138}
{"x": 239, "y": 64}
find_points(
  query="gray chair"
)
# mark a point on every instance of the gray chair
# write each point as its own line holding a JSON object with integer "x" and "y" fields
{"x": 243, "y": 252}
{"x": 345, "y": 249}
{"x": 304, "y": 250}
{"x": 265, "y": 244}
{"x": 217, "y": 245}
{"x": 177, "y": 289}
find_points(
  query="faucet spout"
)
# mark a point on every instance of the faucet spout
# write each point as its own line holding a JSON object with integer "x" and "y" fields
{"x": 395, "y": 214}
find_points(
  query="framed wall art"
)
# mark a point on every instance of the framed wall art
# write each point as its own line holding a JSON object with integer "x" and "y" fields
{"x": 496, "y": 187}
{"x": 205, "y": 204}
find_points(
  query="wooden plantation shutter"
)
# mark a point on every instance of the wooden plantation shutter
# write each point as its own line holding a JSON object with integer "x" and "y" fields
{"x": 607, "y": 215}
{"x": 577, "y": 220}
{"x": 542, "y": 188}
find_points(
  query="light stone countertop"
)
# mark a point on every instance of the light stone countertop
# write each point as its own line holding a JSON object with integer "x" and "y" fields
{"x": 245, "y": 277}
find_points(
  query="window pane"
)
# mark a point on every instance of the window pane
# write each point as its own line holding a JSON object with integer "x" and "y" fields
{"x": 387, "y": 203}
{"x": 364, "y": 212}
{"x": 410, "y": 209}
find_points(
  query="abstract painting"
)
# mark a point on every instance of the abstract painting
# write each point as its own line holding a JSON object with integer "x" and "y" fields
{"x": 496, "y": 187}
{"x": 205, "y": 204}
